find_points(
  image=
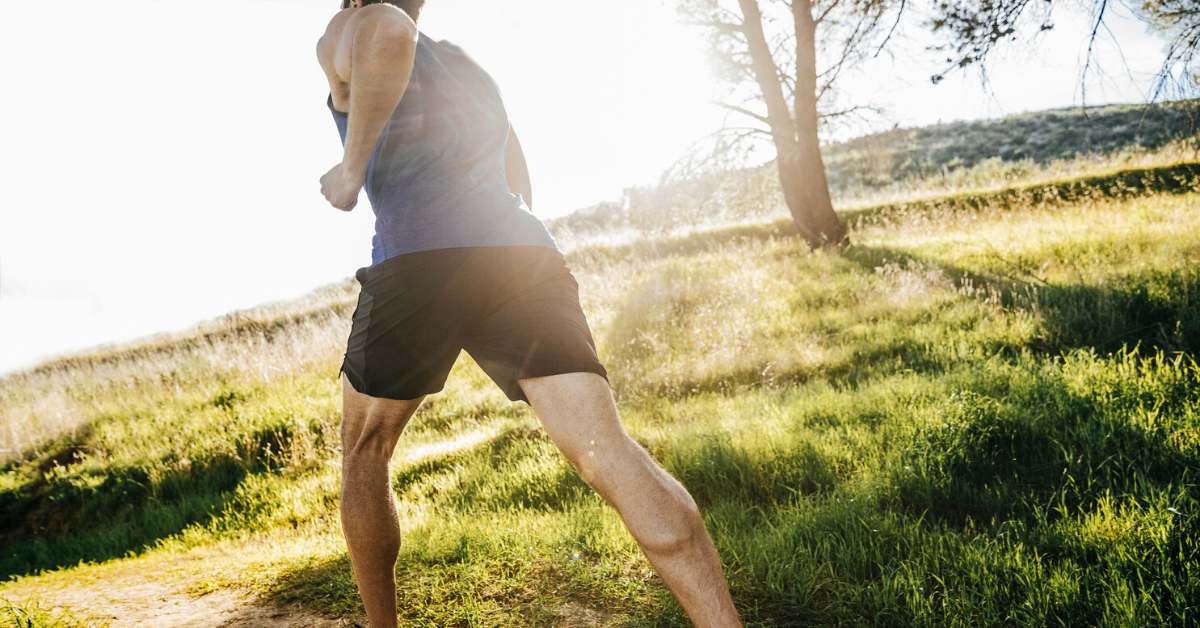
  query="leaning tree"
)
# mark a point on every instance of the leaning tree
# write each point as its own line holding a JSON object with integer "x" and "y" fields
{"x": 781, "y": 60}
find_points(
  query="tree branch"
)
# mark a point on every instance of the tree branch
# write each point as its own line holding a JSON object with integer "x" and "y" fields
{"x": 899, "y": 13}
{"x": 1091, "y": 42}
{"x": 724, "y": 27}
{"x": 833, "y": 5}
{"x": 767, "y": 73}
{"x": 846, "y": 112}
{"x": 745, "y": 112}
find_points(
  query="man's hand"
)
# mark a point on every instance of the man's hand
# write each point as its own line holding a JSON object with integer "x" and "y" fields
{"x": 340, "y": 187}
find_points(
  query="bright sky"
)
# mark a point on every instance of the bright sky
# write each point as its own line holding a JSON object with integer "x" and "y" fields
{"x": 160, "y": 157}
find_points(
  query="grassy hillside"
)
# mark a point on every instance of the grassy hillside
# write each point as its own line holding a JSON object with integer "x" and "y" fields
{"x": 1039, "y": 138}
{"x": 897, "y": 165}
{"x": 985, "y": 413}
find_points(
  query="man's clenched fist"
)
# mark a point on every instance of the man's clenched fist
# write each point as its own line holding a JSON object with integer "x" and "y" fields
{"x": 341, "y": 188}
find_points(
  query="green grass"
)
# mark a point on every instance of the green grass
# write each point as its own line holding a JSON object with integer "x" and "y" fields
{"x": 981, "y": 414}
{"x": 1175, "y": 178}
{"x": 30, "y": 614}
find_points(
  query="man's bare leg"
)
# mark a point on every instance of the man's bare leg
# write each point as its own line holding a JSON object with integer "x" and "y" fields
{"x": 370, "y": 429}
{"x": 579, "y": 414}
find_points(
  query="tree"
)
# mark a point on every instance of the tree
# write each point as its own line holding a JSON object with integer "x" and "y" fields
{"x": 768, "y": 52}
{"x": 975, "y": 29}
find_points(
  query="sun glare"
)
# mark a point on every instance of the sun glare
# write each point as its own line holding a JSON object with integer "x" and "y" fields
{"x": 190, "y": 189}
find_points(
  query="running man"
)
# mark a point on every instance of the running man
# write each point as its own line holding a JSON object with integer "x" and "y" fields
{"x": 459, "y": 262}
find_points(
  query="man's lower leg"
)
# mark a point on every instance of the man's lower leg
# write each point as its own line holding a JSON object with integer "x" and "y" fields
{"x": 370, "y": 429}
{"x": 372, "y": 535}
{"x": 579, "y": 415}
{"x": 664, "y": 520}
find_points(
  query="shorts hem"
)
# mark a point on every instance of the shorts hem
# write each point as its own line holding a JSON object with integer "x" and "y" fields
{"x": 513, "y": 389}
{"x": 383, "y": 392}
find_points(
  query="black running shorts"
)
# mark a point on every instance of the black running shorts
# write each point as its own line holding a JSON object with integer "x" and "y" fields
{"x": 514, "y": 309}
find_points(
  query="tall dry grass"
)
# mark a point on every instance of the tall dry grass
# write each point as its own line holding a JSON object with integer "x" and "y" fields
{"x": 254, "y": 345}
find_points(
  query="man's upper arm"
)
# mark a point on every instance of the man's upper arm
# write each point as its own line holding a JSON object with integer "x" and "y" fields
{"x": 328, "y": 47}
{"x": 374, "y": 60}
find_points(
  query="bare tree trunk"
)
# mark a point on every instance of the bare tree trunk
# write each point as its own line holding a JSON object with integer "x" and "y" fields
{"x": 809, "y": 168}
{"x": 801, "y": 171}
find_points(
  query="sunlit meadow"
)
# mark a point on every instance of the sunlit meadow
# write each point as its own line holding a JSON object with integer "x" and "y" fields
{"x": 983, "y": 413}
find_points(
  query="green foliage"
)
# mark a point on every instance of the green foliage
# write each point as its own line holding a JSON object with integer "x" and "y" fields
{"x": 1176, "y": 20}
{"x": 155, "y": 460}
{"x": 1006, "y": 487}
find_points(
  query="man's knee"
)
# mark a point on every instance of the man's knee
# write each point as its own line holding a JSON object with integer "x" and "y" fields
{"x": 367, "y": 445}
{"x": 676, "y": 533}
{"x": 372, "y": 426}
{"x": 666, "y": 542}
{"x": 628, "y": 471}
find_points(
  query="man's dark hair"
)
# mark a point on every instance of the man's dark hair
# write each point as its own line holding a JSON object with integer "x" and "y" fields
{"x": 411, "y": 7}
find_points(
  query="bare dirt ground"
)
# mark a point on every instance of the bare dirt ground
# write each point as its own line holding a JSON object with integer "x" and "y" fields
{"x": 147, "y": 596}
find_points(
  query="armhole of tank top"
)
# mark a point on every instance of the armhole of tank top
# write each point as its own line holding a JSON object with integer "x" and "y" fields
{"x": 340, "y": 114}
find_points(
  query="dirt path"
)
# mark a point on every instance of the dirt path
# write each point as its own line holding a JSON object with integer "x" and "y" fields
{"x": 141, "y": 597}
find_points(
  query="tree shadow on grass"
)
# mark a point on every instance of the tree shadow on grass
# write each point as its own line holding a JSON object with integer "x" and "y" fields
{"x": 1009, "y": 462}
{"x": 56, "y": 529}
{"x": 1148, "y": 312}
{"x": 95, "y": 512}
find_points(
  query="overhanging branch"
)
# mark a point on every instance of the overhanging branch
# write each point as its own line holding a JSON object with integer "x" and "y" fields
{"x": 899, "y": 13}
{"x": 724, "y": 27}
{"x": 1091, "y": 42}
{"x": 745, "y": 112}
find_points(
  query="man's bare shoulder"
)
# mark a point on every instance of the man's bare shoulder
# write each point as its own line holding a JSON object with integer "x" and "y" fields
{"x": 383, "y": 12}
{"x": 333, "y": 49}
{"x": 383, "y": 19}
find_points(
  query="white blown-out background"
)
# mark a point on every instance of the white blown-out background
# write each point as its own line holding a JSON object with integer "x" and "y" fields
{"x": 160, "y": 158}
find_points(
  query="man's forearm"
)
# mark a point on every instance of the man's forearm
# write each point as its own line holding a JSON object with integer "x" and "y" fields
{"x": 381, "y": 64}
